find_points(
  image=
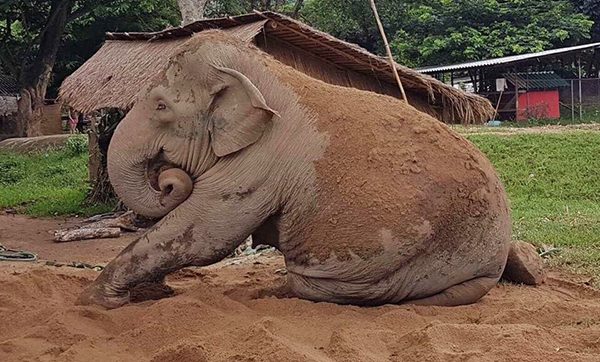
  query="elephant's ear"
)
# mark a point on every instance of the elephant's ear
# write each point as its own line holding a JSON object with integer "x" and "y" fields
{"x": 238, "y": 113}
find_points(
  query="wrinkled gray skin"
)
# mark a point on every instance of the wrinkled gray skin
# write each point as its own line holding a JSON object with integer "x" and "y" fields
{"x": 223, "y": 148}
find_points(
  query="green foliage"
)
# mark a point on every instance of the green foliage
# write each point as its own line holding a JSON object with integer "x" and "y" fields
{"x": 422, "y": 32}
{"x": 23, "y": 22}
{"x": 77, "y": 144}
{"x": 10, "y": 172}
{"x": 84, "y": 36}
{"x": 219, "y": 8}
{"x": 552, "y": 182}
{"x": 352, "y": 20}
{"x": 44, "y": 184}
{"x": 590, "y": 8}
{"x": 431, "y": 32}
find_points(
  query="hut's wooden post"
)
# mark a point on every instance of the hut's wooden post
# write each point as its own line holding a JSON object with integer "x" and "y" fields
{"x": 94, "y": 162}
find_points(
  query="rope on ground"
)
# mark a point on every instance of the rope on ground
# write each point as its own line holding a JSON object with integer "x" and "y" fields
{"x": 16, "y": 255}
{"x": 20, "y": 255}
{"x": 75, "y": 264}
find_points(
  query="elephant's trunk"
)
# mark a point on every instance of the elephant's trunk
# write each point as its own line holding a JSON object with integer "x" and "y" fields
{"x": 144, "y": 182}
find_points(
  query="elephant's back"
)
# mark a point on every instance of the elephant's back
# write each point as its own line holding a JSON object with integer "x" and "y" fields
{"x": 393, "y": 175}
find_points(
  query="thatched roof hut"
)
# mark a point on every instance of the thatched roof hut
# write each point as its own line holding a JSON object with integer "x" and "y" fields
{"x": 126, "y": 62}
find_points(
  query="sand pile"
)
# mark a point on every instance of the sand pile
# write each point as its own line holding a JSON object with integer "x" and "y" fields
{"x": 234, "y": 311}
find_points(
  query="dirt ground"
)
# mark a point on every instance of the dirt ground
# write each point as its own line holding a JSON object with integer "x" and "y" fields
{"x": 227, "y": 312}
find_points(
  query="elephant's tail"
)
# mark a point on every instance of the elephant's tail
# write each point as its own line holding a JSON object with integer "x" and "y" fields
{"x": 524, "y": 265}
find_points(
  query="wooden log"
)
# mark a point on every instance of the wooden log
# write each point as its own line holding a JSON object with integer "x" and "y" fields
{"x": 61, "y": 236}
{"x": 125, "y": 222}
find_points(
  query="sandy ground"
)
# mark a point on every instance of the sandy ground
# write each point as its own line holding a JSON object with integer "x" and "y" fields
{"x": 228, "y": 312}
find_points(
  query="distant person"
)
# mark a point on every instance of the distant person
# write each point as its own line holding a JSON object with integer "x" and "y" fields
{"x": 73, "y": 121}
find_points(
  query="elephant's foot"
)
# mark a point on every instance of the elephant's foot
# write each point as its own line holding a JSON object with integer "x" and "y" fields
{"x": 97, "y": 294}
{"x": 150, "y": 291}
{"x": 461, "y": 294}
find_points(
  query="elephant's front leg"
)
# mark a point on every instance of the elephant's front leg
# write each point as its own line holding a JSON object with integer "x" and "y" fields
{"x": 148, "y": 258}
{"x": 186, "y": 236}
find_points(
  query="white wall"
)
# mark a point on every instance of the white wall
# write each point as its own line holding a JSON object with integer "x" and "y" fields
{"x": 8, "y": 105}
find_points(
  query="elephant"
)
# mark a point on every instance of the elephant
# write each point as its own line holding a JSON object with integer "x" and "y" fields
{"x": 369, "y": 200}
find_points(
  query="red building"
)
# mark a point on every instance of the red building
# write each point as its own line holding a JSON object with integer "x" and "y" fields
{"x": 538, "y": 96}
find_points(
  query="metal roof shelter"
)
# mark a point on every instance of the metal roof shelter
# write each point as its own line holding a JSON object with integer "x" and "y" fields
{"x": 526, "y": 72}
{"x": 506, "y": 61}
{"x": 536, "y": 80}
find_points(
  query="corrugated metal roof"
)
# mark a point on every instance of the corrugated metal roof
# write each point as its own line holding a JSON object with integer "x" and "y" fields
{"x": 8, "y": 86}
{"x": 536, "y": 80}
{"x": 506, "y": 60}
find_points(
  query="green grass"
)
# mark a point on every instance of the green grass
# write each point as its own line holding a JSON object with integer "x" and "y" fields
{"x": 47, "y": 184}
{"x": 587, "y": 118}
{"x": 553, "y": 182}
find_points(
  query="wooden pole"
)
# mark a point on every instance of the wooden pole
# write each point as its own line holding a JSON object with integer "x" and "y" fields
{"x": 388, "y": 50}
{"x": 580, "y": 90}
{"x": 516, "y": 97}
{"x": 572, "y": 102}
{"x": 498, "y": 104}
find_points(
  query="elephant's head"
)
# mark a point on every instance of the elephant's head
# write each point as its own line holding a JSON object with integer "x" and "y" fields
{"x": 200, "y": 109}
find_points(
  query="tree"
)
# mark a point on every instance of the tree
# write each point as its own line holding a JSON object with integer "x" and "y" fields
{"x": 217, "y": 8}
{"x": 433, "y": 32}
{"x": 32, "y": 35}
{"x": 191, "y": 10}
{"x": 51, "y": 17}
{"x": 590, "y": 8}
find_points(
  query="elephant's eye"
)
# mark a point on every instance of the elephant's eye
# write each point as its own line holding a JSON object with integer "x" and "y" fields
{"x": 161, "y": 106}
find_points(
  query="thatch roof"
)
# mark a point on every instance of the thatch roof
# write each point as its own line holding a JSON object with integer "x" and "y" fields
{"x": 113, "y": 76}
{"x": 125, "y": 63}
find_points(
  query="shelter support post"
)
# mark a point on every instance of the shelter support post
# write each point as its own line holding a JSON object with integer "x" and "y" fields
{"x": 580, "y": 91}
{"x": 572, "y": 102}
{"x": 527, "y": 108}
{"x": 516, "y": 99}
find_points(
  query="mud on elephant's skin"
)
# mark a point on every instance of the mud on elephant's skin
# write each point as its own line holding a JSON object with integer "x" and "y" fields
{"x": 369, "y": 200}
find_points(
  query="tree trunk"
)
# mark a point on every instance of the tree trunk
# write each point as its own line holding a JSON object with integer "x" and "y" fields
{"x": 100, "y": 134}
{"x": 191, "y": 10}
{"x": 36, "y": 76}
{"x": 297, "y": 8}
{"x": 252, "y": 5}
{"x": 29, "y": 110}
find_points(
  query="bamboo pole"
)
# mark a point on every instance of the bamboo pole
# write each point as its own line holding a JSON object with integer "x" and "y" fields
{"x": 388, "y": 50}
